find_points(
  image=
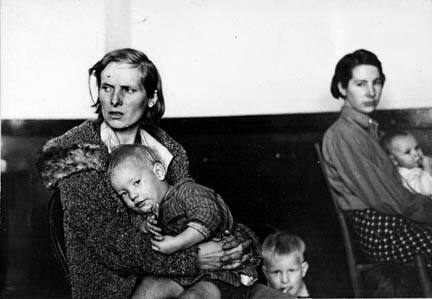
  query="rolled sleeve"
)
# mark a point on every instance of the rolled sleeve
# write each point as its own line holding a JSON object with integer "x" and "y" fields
{"x": 200, "y": 228}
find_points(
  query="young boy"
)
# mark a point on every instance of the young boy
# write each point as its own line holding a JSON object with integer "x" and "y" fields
{"x": 283, "y": 263}
{"x": 179, "y": 216}
{"x": 414, "y": 168}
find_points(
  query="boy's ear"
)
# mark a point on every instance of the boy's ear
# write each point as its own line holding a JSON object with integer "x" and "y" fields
{"x": 264, "y": 270}
{"x": 305, "y": 267}
{"x": 342, "y": 90}
{"x": 159, "y": 170}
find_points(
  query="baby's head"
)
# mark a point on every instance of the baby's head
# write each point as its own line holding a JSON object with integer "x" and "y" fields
{"x": 138, "y": 177}
{"x": 402, "y": 148}
{"x": 283, "y": 262}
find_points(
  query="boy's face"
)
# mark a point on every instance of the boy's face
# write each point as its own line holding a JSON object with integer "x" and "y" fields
{"x": 405, "y": 152}
{"x": 141, "y": 186}
{"x": 285, "y": 273}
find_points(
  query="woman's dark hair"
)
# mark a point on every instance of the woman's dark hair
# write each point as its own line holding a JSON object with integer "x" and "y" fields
{"x": 343, "y": 70}
{"x": 150, "y": 80}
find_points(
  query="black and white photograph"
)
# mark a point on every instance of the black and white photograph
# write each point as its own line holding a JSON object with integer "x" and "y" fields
{"x": 216, "y": 149}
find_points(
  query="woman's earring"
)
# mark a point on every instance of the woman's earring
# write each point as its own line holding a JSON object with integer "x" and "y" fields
{"x": 153, "y": 100}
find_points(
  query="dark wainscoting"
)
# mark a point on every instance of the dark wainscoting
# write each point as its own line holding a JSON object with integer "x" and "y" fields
{"x": 265, "y": 167}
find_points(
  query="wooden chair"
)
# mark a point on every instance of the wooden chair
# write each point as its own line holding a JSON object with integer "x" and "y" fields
{"x": 357, "y": 263}
{"x": 424, "y": 278}
{"x": 56, "y": 233}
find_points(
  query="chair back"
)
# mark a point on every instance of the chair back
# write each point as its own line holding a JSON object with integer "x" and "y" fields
{"x": 352, "y": 250}
{"x": 55, "y": 223}
{"x": 423, "y": 275}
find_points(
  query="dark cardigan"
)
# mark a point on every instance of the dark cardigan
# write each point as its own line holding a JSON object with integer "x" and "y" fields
{"x": 105, "y": 252}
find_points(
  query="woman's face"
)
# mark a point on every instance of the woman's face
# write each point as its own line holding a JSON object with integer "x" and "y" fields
{"x": 364, "y": 89}
{"x": 122, "y": 97}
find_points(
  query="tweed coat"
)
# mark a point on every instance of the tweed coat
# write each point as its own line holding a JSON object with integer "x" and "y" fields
{"x": 106, "y": 254}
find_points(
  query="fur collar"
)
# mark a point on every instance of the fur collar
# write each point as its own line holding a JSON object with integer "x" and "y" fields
{"x": 57, "y": 163}
{"x": 79, "y": 149}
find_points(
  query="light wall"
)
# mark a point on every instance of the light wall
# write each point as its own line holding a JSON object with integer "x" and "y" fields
{"x": 46, "y": 49}
{"x": 216, "y": 58}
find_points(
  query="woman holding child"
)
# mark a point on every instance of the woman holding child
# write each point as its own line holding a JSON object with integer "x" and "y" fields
{"x": 393, "y": 223}
{"x": 106, "y": 253}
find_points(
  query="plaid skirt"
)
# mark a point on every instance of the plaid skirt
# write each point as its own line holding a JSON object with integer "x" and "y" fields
{"x": 389, "y": 238}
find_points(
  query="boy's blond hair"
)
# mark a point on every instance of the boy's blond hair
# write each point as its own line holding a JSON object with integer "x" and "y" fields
{"x": 141, "y": 153}
{"x": 282, "y": 243}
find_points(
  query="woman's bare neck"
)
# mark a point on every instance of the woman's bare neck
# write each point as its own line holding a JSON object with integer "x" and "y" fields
{"x": 127, "y": 136}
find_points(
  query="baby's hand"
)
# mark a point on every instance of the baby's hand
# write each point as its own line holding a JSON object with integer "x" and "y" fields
{"x": 165, "y": 244}
{"x": 150, "y": 226}
{"x": 427, "y": 164}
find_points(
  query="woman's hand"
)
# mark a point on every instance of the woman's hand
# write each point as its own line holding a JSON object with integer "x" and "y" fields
{"x": 236, "y": 249}
{"x": 228, "y": 253}
{"x": 210, "y": 254}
